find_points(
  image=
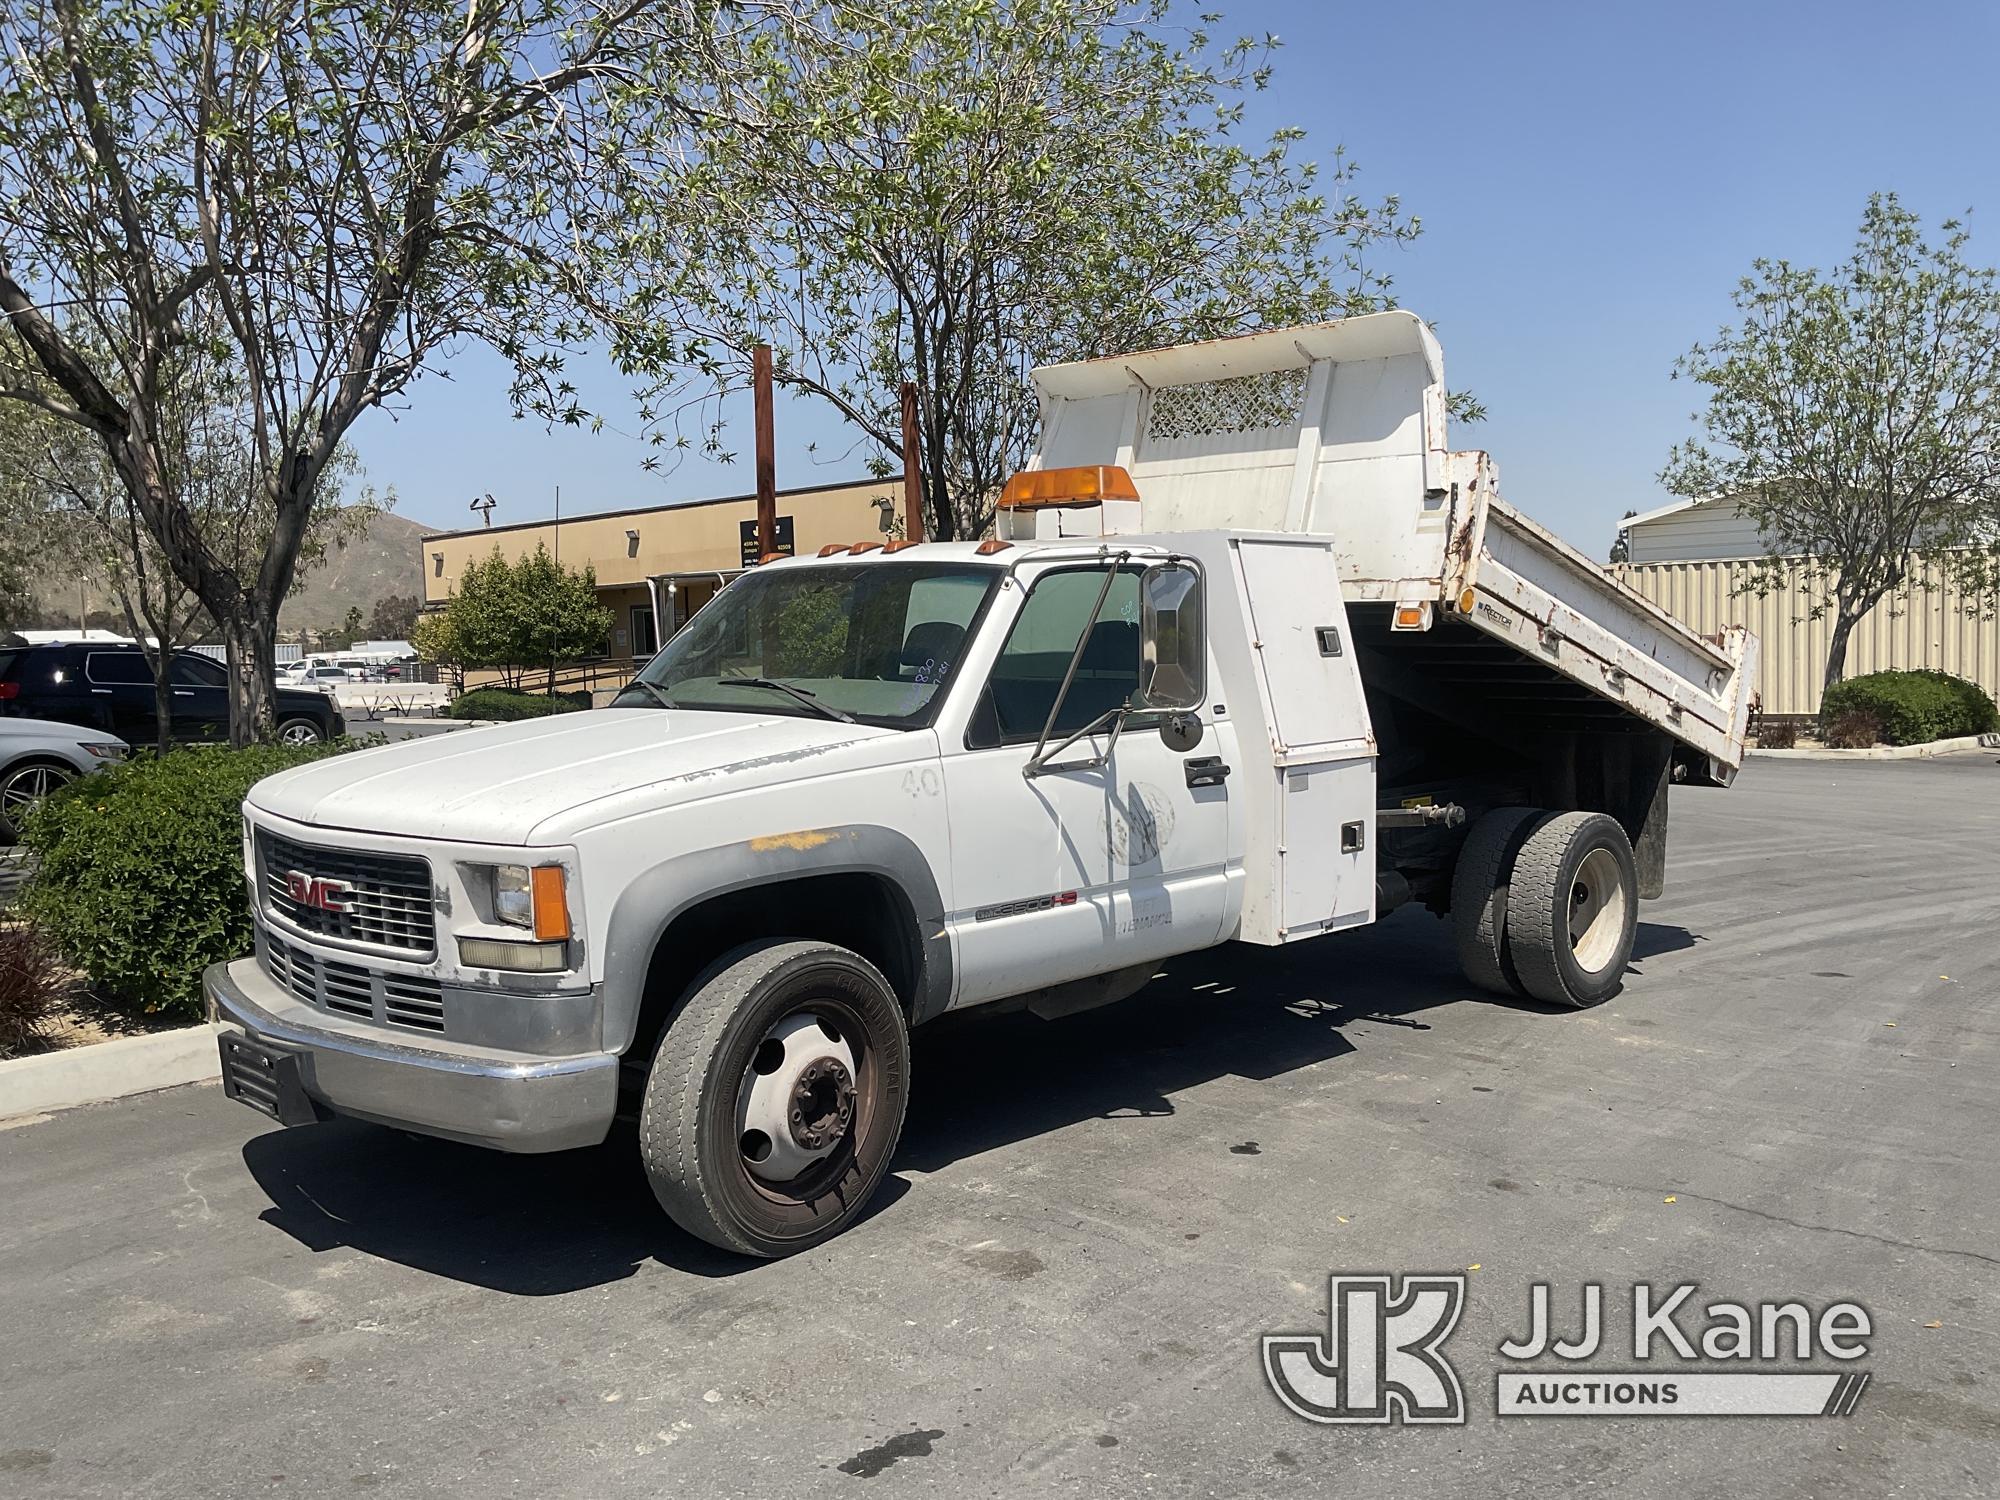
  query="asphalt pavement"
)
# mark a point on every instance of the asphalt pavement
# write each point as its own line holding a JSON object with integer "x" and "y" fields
{"x": 1092, "y": 1222}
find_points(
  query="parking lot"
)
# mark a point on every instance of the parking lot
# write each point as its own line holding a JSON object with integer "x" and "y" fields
{"x": 1092, "y": 1222}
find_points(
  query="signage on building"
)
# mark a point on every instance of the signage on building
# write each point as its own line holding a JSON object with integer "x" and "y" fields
{"x": 782, "y": 542}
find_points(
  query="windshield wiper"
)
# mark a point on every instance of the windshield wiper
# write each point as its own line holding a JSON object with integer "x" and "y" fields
{"x": 809, "y": 699}
{"x": 640, "y": 682}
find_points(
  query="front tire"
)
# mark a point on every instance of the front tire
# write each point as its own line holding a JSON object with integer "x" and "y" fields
{"x": 23, "y": 788}
{"x": 299, "y": 732}
{"x": 1573, "y": 909}
{"x": 776, "y": 1097}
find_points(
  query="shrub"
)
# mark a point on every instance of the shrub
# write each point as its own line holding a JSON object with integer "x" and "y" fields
{"x": 1851, "y": 729}
{"x": 1913, "y": 707}
{"x": 510, "y": 703}
{"x": 32, "y": 988}
{"x": 140, "y": 876}
{"x": 1777, "y": 734}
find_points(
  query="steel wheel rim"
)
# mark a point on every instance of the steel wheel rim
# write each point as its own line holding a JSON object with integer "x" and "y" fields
{"x": 800, "y": 1104}
{"x": 1597, "y": 909}
{"x": 28, "y": 786}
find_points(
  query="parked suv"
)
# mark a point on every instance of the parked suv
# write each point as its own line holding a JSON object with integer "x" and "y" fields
{"x": 110, "y": 687}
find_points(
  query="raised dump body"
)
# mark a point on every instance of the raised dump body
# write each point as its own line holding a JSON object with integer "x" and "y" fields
{"x": 1338, "y": 429}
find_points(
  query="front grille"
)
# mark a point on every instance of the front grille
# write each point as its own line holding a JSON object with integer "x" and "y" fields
{"x": 386, "y": 904}
{"x": 345, "y": 989}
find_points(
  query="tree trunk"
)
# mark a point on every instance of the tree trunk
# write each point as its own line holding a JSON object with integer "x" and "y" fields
{"x": 251, "y": 632}
{"x": 163, "y": 701}
{"x": 1836, "y": 648}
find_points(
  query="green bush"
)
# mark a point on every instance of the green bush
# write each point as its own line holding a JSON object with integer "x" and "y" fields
{"x": 139, "y": 880}
{"x": 1914, "y": 707}
{"x": 511, "y": 703}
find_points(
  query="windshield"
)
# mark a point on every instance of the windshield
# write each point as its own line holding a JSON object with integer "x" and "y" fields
{"x": 875, "y": 644}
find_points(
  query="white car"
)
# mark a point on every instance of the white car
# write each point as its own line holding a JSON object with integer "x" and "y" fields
{"x": 39, "y": 755}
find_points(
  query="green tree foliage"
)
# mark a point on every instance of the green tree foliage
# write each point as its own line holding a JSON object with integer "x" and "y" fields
{"x": 393, "y": 617}
{"x": 321, "y": 198}
{"x": 513, "y": 616}
{"x": 1855, "y": 416}
{"x": 951, "y": 194}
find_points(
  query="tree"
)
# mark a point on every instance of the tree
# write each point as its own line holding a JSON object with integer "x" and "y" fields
{"x": 394, "y": 616}
{"x": 951, "y": 194}
{"x": 1856, "y": 417}
{"x": 322, "y": 198}
{"x": 511, "y": 616}
{"x": 58, "y": 486}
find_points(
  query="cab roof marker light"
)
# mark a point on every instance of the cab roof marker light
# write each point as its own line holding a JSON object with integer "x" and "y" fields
{"x": 860, "y": 547}
{"x": 990, "y": 546}
{"x": 898, "y": 546}
{"x": 832, "y": 547}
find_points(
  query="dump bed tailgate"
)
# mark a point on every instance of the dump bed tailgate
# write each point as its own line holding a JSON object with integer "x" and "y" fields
{"x": 1521, "y": 584}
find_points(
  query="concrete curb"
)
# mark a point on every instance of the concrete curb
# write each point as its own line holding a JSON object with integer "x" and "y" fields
{"x": 107, "y": 1070}
{"x": 427, "y": 719}
{"x": 1891, "y": 752}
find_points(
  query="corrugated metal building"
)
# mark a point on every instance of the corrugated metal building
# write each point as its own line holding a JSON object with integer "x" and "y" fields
{"x": 1696, "y": 558}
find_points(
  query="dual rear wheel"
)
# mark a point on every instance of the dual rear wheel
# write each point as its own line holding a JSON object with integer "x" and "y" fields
{"x": 1545, "y": 905}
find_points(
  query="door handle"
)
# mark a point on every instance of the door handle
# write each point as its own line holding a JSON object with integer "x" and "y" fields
{"x": 1206, "y": 770}
{"x": 183, "y": 692}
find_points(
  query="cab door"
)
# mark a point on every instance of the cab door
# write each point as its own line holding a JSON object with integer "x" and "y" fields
{"x": 1114, "y": 854}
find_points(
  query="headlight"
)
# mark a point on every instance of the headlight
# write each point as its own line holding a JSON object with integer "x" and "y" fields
{"x": 513, "y": 896}
{"x": 536, "y": 898}
{"x": 105, "y": 749}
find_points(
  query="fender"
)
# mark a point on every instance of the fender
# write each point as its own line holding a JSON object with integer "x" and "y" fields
{"x": 648, "y": 906}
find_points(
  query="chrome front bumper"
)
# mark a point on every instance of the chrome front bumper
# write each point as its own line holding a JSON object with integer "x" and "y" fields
{"x": 510, "y": 1101}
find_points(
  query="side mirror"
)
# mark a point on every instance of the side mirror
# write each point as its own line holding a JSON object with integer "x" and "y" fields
{"x": 1170, "y": 638}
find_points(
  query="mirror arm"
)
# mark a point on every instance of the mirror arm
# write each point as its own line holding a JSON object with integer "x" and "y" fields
{"x": 1038, "y": 765}
{"x": 1075, "y": 661}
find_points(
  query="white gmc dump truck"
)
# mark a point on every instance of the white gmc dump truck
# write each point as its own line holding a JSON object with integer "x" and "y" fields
{"x": 1253, "y": 657}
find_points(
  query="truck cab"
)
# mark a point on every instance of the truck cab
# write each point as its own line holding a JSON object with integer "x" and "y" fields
{"x": 862, "y": 789}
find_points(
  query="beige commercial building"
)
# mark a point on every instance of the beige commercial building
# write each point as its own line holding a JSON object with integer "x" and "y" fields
{"x": 1696, "y": 559}
{"x": 658, "y": 564}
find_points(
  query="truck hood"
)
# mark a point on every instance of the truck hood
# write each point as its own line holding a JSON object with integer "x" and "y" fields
{"x": 500, "y": 785}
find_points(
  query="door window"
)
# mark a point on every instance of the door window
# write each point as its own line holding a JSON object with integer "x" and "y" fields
{"x": 1029, "y": 671}
{"x": 115, "y": 668}
{"x": 194, "y": 671}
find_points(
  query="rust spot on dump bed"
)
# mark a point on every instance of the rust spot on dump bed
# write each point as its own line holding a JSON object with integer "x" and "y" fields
{"x": 807, "y": 838}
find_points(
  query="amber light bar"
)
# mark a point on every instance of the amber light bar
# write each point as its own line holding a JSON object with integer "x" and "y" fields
{"x": 1090, "y": 484}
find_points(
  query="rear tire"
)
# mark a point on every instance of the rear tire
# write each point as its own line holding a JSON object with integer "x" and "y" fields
{"x": 776, "y": 1097}
{"x": 1573, "y": 909}
{"x": 1479, "y": 886}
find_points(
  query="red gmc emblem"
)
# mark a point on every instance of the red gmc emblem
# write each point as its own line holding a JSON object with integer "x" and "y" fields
{"x": 317, "y": 891}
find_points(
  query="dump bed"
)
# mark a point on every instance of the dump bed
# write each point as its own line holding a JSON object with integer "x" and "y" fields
{"x": 1338, "y": 429}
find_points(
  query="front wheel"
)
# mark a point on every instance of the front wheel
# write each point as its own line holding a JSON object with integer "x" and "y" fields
{"x": 23, "y": 788}
{"x": 299, "y": 732}
{"x": 776, "y": 1097}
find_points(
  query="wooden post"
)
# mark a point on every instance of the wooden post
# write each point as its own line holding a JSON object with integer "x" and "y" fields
{"x": 913, "y": 468}
{"x": 767, "y": 457}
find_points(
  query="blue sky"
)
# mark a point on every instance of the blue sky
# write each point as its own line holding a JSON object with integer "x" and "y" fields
{"x": 1592, "y": 180}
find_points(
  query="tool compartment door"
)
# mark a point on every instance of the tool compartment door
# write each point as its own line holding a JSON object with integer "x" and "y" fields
{"x": 1319, "y": 861}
